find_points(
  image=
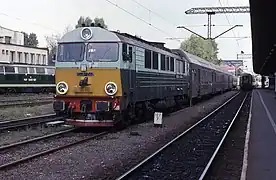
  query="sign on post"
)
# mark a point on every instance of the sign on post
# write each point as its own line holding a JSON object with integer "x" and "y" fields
{"x": 158, "y": 119}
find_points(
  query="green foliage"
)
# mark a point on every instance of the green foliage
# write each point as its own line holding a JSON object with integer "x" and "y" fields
{"x": 30, "y": 40}
{"x": 206, "y": 49}
{"x": 88, "y": 21}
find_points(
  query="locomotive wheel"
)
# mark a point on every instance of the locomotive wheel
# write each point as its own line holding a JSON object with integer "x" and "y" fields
{"x": 123, "y": 120}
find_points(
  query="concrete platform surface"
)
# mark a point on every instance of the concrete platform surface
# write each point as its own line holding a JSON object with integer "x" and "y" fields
{"x": 261, "y": 159}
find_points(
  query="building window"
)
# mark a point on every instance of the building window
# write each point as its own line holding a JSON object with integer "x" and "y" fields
{"x": 38, "y": 59}
{"x": 26, "y": 57}
{"x": 3, "y": 51}
{"x": 12, "y": 56}
{"x": 44, "y": 59}
{"x": 7, "y": 52}
{"x": 32, "y": 58}
{"x": 19, "y": 57}
{"x": 7, "y": 39}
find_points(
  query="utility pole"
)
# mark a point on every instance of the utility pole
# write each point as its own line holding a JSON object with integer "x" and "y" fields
{"x": 212, "y": 11}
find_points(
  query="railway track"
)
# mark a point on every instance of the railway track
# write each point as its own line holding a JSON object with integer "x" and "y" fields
{"x": 33, "y": 102}
{"x": 22, "y": 100}
{"x": 14, "y": 154}
{"x": 4, "y": 125}
{"x": 190, "y": 155}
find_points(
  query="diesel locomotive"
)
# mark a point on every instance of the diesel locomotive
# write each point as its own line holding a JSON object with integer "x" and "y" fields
{"x": 108, "y": 78}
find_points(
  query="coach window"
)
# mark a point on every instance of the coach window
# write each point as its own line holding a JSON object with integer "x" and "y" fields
{"x": 148, "y": 59}
{"x": 40, "y": 70}
{"x": 155, "y": 60}
{"x": 31, "y": 70}
{"x": 167, "y": 63}
{"x": 181, "y": 67}
{"x": 50, "y": 71}
{"x": 172, "y": 64}
{"x": 1, "y": 69}
{"x": 163, "y": 63}
{"x": 22, "y": 70}
{"x": 9, "y": 69}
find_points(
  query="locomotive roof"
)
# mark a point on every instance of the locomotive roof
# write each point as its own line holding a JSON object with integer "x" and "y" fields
{"x": 101, "y": 34}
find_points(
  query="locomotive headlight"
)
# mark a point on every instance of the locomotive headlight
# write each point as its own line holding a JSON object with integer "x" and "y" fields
{"x": 83, "y": 67}
{"x": 110, "y": 88}
{"x": 86, "y": 33}
{"x": 62, "y": 87}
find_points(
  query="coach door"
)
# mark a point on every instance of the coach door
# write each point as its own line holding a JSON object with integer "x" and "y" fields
{"x": 129, "y": 72}
{"x": 214, "y": 84}
{"x": 194, "y": 82}
{"x": 199, "y": 82}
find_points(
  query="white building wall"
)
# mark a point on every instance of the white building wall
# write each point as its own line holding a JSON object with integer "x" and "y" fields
{"x": 15, "y": 36}
{"x": 21, "y": 54}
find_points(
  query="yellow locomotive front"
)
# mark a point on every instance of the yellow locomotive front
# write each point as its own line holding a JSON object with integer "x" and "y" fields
{"x": 88, "y": 77}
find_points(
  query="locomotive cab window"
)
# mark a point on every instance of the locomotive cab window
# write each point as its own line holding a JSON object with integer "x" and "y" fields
{"x": 127, "y": 53}
{"x": 70, "y": 52}
{"x": 102, "y": 52}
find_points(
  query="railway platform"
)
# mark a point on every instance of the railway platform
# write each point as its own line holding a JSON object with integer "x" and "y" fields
{"x": 260, "y": 147}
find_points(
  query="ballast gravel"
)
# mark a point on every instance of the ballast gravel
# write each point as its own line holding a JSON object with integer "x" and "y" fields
{"x": 13, "y": 113}
{"x": 110, "y": 156}
{"x": 16, "y": 153}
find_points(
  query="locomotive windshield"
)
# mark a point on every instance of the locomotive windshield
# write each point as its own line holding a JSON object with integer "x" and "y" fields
{"x": 102, "y": 52}
{"x": 70, "y": 52}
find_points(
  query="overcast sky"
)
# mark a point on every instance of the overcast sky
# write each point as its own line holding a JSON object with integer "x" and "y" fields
{"x": 46, "y": 17}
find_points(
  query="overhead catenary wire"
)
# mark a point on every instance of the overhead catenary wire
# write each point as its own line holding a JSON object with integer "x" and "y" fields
{"x": 33, "y": 23}
{"x": 137, "y": 17}
{"x": 229, "y": 24}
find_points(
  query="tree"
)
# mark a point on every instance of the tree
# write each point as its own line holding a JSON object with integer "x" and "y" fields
{"x": 30, "y": 40}
{"x": 52, "y": 42}
{"x": 206, "y": 49}
{"x": 88, "y": 21}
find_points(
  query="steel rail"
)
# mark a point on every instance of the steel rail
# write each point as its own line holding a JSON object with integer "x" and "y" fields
{"x": 22, "y": 160}
{"x": 172, "y": 141}
{"x": 222, "y": 140}
{"x": 20, "y": 100}
{"x": 29, "y": 121}
{"x": 5, "y": 147}
{"x": 36, "y": 102}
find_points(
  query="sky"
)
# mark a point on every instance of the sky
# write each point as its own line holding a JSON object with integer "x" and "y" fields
{"x": 155, "y": 20}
